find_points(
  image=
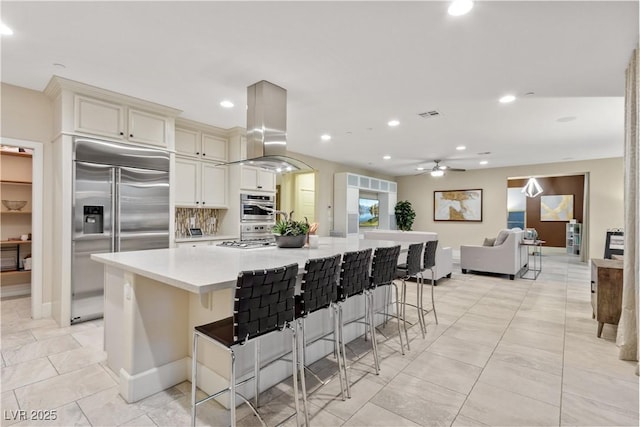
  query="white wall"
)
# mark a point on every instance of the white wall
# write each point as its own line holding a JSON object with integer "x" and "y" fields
{"x": 606, "y": 204}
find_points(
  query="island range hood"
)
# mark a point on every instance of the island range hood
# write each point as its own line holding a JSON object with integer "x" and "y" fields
{"x": 267, "y": 129}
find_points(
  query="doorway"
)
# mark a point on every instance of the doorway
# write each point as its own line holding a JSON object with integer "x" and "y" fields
{"x": 297, "y": 193}
{"x": 24, "y": 224}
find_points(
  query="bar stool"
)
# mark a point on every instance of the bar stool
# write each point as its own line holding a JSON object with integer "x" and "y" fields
{"x": 404, "y": 272}
{"x": 354, "y": 279}
{"x": 318, "y": 291}
{"x": 428, "y": 263}
{"x": 383, "y": 273}
{"x": 263, "y": 304}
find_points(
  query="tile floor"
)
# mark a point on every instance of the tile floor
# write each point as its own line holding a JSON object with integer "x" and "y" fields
{"x": 505, "y": 353}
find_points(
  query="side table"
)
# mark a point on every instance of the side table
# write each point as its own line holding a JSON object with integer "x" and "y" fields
{"x": 536, "y": 252}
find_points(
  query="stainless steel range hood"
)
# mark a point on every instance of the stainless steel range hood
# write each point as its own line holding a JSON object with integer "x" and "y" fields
{"x": 267, "y": 129}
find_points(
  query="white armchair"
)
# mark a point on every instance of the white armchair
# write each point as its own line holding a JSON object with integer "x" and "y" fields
{"x": 508, "y": 258}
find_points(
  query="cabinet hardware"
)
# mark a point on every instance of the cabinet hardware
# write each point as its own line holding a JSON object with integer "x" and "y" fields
{"x": 121, "y": 133}
{"x": 130, "y": 135}
{"x": 204, "y": 154}
{"x": 259, "y": 186}
{"x": 197, "y": 203}
{"x": 197, "y": 153}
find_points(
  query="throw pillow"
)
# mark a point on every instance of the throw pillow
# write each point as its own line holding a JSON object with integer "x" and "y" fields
{"x": 502, "y": 236}
{"x": 489, "y": 241}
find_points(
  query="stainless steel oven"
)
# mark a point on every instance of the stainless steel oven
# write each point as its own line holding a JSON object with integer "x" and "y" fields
{"x": 257, "y": 207}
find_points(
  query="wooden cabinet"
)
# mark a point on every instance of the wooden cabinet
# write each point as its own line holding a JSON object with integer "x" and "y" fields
{"x": 606, "y": 291}
{"x": 254, "y": 178}
{"x": 200, "y": 184}
{"x": 99, "y": 117}
{"x": 195, "y": 143}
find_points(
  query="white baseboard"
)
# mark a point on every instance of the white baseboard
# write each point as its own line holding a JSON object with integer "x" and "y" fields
{"x": 144, "y": 384}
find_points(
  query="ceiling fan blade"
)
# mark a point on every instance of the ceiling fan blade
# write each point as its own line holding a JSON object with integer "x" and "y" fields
{"x": 456, "y": 170}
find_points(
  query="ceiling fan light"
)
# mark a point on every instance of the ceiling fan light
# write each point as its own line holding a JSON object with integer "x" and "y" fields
{"x": 437, "y": 173}
{"x": 532, "y": 188}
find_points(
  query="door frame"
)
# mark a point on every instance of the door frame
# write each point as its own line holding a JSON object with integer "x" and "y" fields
{"x": 37, "y": 203}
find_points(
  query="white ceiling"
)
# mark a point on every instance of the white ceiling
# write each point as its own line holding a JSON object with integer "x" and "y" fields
{"x": 349, "y": 67}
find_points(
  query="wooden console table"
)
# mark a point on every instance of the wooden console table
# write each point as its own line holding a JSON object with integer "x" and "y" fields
{"x": 606, "y": 291}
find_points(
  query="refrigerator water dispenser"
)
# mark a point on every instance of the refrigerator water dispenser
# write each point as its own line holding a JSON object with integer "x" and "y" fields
{"x": 92, "y": 222}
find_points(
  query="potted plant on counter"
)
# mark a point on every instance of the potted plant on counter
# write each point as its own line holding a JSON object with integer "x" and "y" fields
{"x": 290, "y": 233}
{"x": 404, "y": 215}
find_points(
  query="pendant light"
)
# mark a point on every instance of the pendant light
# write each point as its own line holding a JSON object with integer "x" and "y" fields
{"x": 532, "y": 188}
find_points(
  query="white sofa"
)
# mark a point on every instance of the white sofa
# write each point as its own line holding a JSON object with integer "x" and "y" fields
{"x": 444, "y": 260}
{"x": 508, "y": 258}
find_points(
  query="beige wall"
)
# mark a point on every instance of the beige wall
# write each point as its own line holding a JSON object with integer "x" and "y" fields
{"x": 606, "y": 205}
{"x": 28, "y": 115}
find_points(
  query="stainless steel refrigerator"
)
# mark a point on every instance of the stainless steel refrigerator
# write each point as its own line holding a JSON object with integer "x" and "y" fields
{"x": 120, "y": 203}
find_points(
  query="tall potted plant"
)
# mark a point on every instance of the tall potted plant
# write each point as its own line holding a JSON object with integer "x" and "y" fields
{"x": 404, "y": 215}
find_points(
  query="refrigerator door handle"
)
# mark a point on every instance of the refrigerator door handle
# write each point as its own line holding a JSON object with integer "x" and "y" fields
{"x": 115, "y": 213}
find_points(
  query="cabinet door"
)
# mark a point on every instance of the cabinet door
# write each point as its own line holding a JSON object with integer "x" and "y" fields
{"x": 266, "y": 180}
{"x": 214, "y": 148}
{"x": 187, "y": 188}
{"x": 187, "y": 142}
{"x": 214, "y": 185}
{"x": 147, "y": 128}
{"x": 249, "y": 178}
{"x": 99, "y": 117}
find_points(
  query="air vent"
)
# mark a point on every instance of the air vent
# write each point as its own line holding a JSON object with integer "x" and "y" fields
{"x": 429, "y": 114}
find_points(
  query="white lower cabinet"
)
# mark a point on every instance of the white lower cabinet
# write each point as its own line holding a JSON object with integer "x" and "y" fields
{"x": 200, "y": 184}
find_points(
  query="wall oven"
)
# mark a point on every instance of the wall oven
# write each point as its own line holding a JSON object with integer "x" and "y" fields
{"x": 257, "y": 207}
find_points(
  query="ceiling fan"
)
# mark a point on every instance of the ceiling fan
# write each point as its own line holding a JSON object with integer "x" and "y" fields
{"x": 439, "y": 170}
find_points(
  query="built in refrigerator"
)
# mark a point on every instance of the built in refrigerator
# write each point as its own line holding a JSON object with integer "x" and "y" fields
{"x": 120, "y": 203}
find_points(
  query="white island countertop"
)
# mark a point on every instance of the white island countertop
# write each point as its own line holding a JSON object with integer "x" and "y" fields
{"x": 208, "y": 268}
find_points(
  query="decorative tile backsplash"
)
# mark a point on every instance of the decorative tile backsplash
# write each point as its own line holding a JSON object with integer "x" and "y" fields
{"x": 206, "y": 219}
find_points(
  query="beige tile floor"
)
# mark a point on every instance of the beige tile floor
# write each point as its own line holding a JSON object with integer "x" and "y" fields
{"x": 506, "y": 353}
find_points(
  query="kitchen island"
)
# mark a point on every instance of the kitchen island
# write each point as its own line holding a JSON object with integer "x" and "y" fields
{"x": 154, "y": 298}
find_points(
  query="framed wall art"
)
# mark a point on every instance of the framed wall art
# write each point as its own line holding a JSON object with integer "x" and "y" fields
{"x": 556, "y": 208}
{"x": 457, "y": 205}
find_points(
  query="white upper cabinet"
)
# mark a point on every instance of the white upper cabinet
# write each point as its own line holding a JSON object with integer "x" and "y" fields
{"x": 254, "y": 178}
{"x": 196, "y": 143}
{"x": 200, "y": 184}
{"x": 214, "y": 185}
{"x": 147, "y": 128}
{"x": 99, "y": 117}
{"x": 214, "y": 148}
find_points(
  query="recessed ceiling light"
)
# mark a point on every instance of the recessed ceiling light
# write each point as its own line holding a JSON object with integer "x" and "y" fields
{"x": 484, "y": 162}
{"x": 326, "y": 137}
{"x": 226, "y": 104}
{"x": 461, "y": 148}
{"x": 460, "y": 7}
{"x": 393, "y": 123}
{"x": 420, "y": 168}
{"x": 507, "y": 99}
{"x": 289, "y": 168}
{"x": 278, "y": 170}
{"x": 386, "y": 157}
{"x": 4, "y": 30}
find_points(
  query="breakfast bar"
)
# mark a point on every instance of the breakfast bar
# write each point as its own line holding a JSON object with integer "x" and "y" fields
{"x": 154, "y": 298}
